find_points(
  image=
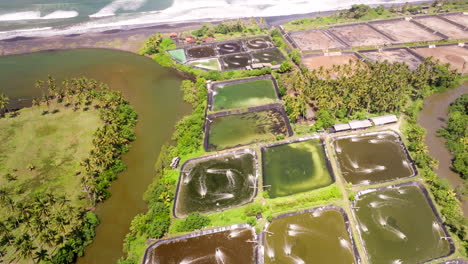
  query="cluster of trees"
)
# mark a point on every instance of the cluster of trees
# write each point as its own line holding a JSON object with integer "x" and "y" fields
{"x": 456, "y": 134}
{"x": 160, "y": 195}
{"x": 194, "y": 221}
{"x": 4, "y": 100}
{"x": 47, "y": 227}
{"x": 43, "y": 228}
{"x": 442, "y": 192}
{"x": 229, "y": 27}
{"x": 357, "y": 89}
{"x": 156, "y": 43}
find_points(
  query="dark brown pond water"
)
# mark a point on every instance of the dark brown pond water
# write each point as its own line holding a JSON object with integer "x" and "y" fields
{"x": 151, "y": 89}
{"x": 432, "y": 118}
{"x": 226, "y": 247}
{"x": 217, "y": 183}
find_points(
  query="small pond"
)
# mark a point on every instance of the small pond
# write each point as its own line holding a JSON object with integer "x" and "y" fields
{"x": 216, "y": 183}
{"x": 295, "y": 167}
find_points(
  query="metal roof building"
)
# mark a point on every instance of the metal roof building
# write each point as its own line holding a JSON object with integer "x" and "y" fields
{"x": 341, "y": 127}
{"x": 358, "y": 124}
{"x": 385, "y": 119}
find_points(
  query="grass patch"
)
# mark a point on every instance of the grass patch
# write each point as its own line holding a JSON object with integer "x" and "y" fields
{"x": 43, "y": 151}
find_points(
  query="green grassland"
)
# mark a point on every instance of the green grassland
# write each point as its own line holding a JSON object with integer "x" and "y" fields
{"x": 42, "y": 152}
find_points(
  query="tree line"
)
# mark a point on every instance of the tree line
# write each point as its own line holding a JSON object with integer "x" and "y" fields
{"x": 357, "y": 89}
{"x": 47, "y": 227}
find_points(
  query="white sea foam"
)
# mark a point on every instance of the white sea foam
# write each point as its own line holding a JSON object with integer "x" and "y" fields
{"x": 126, "y": 5}
{"x": 36, "y": 15}
{"x": 183, "y": 10}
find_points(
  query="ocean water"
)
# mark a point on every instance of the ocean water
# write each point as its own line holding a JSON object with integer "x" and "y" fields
{"x": 55, "y": 17}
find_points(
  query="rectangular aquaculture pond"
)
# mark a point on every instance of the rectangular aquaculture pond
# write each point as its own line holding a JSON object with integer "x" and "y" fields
{"x": 230, "y": 47}
{"x": 392, "y": 56}
{"x": 399, "y": 225}
{"x": 373, "y": 158}
{"x": 207, "y": 64}
{"x": 201, "y": 52}
{"x": 237, "y": 128}
{"x": 236, "y": 61}
{"x": 295, "y": 167}
{"x": 272, "y": 56}
{"x": 216, "y": 182}
{"x": 243, "y": 93}
{"x": 178, "y": 55}
{"x": 221, "y": 246}
{"x": 258, "y": 43}
{"x": 319, "y": 235}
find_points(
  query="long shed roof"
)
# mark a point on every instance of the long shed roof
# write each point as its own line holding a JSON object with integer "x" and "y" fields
{"x": 341, "y": 127}
{"x": 357, "y": 124}
{"x": 385, "y": 119}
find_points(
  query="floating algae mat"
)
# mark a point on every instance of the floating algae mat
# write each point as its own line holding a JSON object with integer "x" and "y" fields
{"x": 272, "y": 56}
{"x": 227, "y": 130}
{"x": 232, "y": 246}
{"x": 295, "y": 167}
{"x": 372, "y": 158}
{"x": 216, "y": 183}
{"x": 178, "y": 55}
{"x": 243, "y": 93}
{"x": 314, "y": 236}
{"x": 398, "y": 225}
{"x": 208, "y": 64}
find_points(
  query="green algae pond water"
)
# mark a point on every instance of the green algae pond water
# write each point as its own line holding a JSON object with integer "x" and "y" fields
{"x": 319, "y": 236}
{"x": 398, "y": 225}
{"x": 233, "y": 130}
{"x": 243, "y": 94}
{"x": 216, "y": 183}
{"x": 295, "y": 167}
{"x": 372, "y": 158}
{"x": 151, "y": 89}
{"x": 226, "y": 247}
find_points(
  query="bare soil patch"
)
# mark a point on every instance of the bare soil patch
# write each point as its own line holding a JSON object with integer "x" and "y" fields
{"x": 443, "y": 27}
{"x": 360, "y": 35}
{"x": 458, "y": 18}
{"x": 455, "y": 55}
{"x": 327, "y": 62}
{"x": 405, "y": 31}
{"x": 315, "y": 40}
{"x": 399, "y": 55}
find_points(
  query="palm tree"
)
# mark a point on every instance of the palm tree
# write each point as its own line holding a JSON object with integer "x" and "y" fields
{"x": 41, "y": 255}
{"x": 4, "y": 100}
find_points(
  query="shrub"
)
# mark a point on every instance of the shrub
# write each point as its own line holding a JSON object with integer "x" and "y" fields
{"x": 192, "y": 222}
{"x": 253, "y": 209}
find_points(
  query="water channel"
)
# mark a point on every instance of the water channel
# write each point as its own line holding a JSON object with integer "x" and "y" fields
{"x": 151, "y": 89}
{"x": 432, "y": 118}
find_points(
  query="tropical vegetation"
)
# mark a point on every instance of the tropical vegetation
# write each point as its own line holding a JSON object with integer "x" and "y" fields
{"x": 47, "y": 194}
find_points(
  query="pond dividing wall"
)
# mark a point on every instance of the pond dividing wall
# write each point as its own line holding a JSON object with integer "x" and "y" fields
{"x": 216, "y": 182}
{"x": 242, "y": 93}
{"x": 373, "y": 158}
{"x": 231, "y": 129}
{"x": 294, "y": 167}
{"x": 319, "y": 235}
{"x": 228, "y": 245}
{"x": 399, "y": 224}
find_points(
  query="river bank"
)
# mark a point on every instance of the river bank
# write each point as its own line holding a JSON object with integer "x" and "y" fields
{"x": 434, "y": 117}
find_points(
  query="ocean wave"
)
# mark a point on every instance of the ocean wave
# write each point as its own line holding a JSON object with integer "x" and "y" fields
{"x": 110, "y": 9}
{"x": 190, "y": 10}
{"x": 36, "y": 15}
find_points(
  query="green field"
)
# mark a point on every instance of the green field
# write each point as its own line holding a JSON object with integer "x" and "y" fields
{"x": 43, "y": 151}
{"x": 209, "y": 64}
{"x": 296, "y": 167}
{"x": 244, "y": 94}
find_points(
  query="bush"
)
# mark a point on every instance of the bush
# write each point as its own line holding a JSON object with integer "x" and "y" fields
{"x": 252, "y": 221}
{"x": 194, "y": 221}
{"x": 253, "y": 209}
